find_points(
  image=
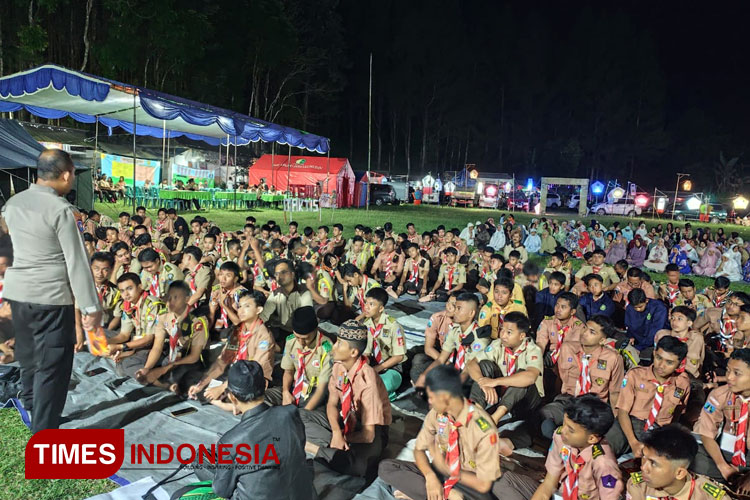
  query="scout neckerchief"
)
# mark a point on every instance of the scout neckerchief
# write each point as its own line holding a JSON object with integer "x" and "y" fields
{"x": 193, "y": 285}
{"x": 453, "y": 455}
{"x": 300, "y": 384}
{"x": 596, "y": 269}
{"x": 673, "y": 291}
{"x": 175, "y": 331}
{"x": 727, "y": 328}
{"x": 573, "y": 466}
{"x": 153, "y": 286}
{"x": 561, "y": 332}
{"x": 322, "y": 246}
{"x": 361, "y": 292}
{"x": 348, "y": 413}
{"x": 101, "y": 291}
{"x": 224, "y": 314}
{"x": 244, "y": 337}
{"x": 511, "y": 357}
{"x": 375, "y": 332}
{"x": 449, "y": 271}
{"x": 740, "y": 442}
{"x": 719, "y": 300}
{"x": 414, "y": 273}
{"x": 460, "y": 355}
{"x": 656, "y": 405}
{"x": 583, "y": 385}
{"x": 388, "y": 271}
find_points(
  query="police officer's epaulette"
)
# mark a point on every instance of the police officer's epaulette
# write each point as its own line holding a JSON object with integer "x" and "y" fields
{"x": 597, "y": 451}
{"x": 713, "y": 490}
{"x": 326, "y": 346}
{"x": 484, "y": 332}
{"x": 483, "y": 424}
{"x": 636, "y": 477}
{"x": 290, "y": 337}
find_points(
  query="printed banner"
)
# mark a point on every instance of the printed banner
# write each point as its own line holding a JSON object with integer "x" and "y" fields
{"x": 122, "y": 166}
{"x": 202, "y": 176}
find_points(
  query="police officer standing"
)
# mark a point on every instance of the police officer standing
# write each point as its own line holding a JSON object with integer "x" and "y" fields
{"x": 51, "y": 268}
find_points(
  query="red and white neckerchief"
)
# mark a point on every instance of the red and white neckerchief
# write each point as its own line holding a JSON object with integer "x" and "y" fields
{"x": 719, "y": 300}
{"x": 361, "y": 293}
{"x": 673, "y": 291}
{"x": 656, "y": 405}
{"x": 257, "y": 271}
{"x": 511, "y": 357}
{"x": 322, "y": 246}
{"x": 193, "y": 285}
{"x": 459, "y": 357}
{"x": 453, "y": 455}
{"x": 375, "y": 332}
{"x": 101, "y": 291}
{"x": 740, "y": 442}
{"x": 573, "y": 466}
{"x": 426, "y": 248}
{"x": 1, "y": 291}
{"x": 274, "y": 286}
{"x": 388, "y": 264}
{"x": 174, "y": 337}
{"x": 153, "y": 285}
{"x": 449, "y": 272}
{"x": 244, "y": 337}
{"x": 348, "y": 413}
{"x": 414, "y": 273}
{"x": 596, "y": 269}
{"x": 727, "y": 328}
{"x": 224, "y": 314}
{"x": 583, "y": 385}
{"x": 561, "y": 332}
{"x": 300, "y": 383}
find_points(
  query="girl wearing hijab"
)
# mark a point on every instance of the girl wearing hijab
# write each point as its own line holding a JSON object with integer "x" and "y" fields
{"x": 709, "y": 261}
{"x": 585, "y": 244}
{"x": 679, "y": 256}
{"x": 533, "y": 242}
{"x": 549, "y": 245}
{"x": 467, "y": 234}
{"x": 729, "y": 266}
{"x": 637, "y": 253}
{"x": 617, "y": 251}
{"x": 658, "y": 257}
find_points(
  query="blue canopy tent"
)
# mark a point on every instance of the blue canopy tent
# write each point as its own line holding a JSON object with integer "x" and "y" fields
{"x": 51, "y": 91}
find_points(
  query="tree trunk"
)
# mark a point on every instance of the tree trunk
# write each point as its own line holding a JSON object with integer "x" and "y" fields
{"x": 407, "y": 147}
{"x": 89, "y": 5}
{"x": 394, "y": 140}
{"x": 424, "y": 138}
{"x": 502, "y": 127}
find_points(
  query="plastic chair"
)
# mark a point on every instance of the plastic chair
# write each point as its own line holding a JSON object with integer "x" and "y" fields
{"x": 129, "y": 193}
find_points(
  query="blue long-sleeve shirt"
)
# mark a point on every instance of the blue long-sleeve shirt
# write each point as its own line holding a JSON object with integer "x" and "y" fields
{"x": 605, "y": 305}
{"x": 545, "y": 302}
{"x": 642, "y": 326}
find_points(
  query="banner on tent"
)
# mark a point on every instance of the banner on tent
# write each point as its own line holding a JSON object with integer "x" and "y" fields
{"x": 201, "y": 176}
{"x": 122, "y": 166}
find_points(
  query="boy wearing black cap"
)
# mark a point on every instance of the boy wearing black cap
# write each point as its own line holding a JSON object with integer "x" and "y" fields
{"x": 667, "y": 453}
{"x": 279, "y": 434}
{"x": 306, "y": 363}
{"x": 351, "y": 437}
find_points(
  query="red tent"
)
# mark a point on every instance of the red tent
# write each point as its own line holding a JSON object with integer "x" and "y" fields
{"x": 305, "y": 173}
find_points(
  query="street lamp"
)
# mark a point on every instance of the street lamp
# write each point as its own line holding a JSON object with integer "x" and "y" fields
{"x": 677, "y": 187}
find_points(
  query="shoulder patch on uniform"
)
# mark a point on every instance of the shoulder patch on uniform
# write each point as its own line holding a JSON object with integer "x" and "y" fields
{"x": 558, "y": 430}
{"x": 597, "y": 451}
{"x": 326, "y": 346}
{"x": 483, "y": 424}
{"x": 290, "y": 337}
{"x": 713, "y": 490}
{"x": 636, "y": 477}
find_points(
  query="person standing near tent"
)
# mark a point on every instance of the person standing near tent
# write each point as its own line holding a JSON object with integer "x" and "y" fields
{"x": 50, "y": 271}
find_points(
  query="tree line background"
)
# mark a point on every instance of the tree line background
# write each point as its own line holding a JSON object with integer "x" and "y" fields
{"x": 581, "y": 89}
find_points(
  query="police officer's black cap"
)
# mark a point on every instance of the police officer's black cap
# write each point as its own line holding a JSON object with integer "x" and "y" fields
{"x": 246, "y": 380}
{"x": 304, "y": 320}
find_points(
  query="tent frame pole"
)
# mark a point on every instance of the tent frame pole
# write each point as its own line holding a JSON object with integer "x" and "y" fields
{"x": 328, "y": 179}
{"x": 273, "y": 152}
{"x": 369, "y": 137}
{"x": 234, "y": 183}
{"x": 135, "y": 96}
{"x": 163, "y": 142}
{"x": 288, "y": 176}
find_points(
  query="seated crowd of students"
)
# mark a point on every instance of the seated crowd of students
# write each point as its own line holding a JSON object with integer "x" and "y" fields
{"x": 599, "y": 363}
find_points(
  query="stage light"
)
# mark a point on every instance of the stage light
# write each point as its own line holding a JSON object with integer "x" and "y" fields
{"x": 661, "y": 204}
{"x": 641, "y": 200}
{"x": 693, "y": 203}
{"x": 491, "y": 191}
{"x": 473, "y": 174}
{"x": 428, "y": 180}
{"x": 617, "y": 193}
{"x": 508, "y": 187}
{"x": 740, "y": 203}
{"x": 597, "y": 188}
{"x": 480, "y": 187}
{"x": 449, "y": 187}
{"x": 687, "y": 185}
{"x": 530, "y": 184}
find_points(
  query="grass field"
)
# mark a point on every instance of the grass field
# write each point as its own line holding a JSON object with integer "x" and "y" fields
{"x": 425, "y": 217}
{"x": 16, "y": 486}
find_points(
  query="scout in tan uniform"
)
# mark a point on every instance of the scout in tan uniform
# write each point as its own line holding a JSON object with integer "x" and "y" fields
{"x": 124, "y": 261}
{"x": 452, "y": 277}
{"x": 388, "y": 267}
{"x": 669, "y": 292}
{"x": 598, "y": 266}
{"x": 719, "y": 292}
{"x": 140, "y": 313}
{"x": 461, "y": 440}
{"x": 687, "y": 297}
{"x": 198, "y": 276}
{"x": 386, "y": 346}
{"x": 438, "y": 327}
{"x": 249, "y": 340}
{"x": 593, "y": 368}
{"x": 109, "y": 295}
{"x": 509, "y": 379}
{"x": 723, "y": 425}
{"x": 651, "y": 396}
{"x": 210, "y": 253}
{"x": 720, "y": 322}
{"x": 633, "y": 279}
{"x": 197, "y": 233}
{"x": 176, "y": 357}
{"x": 502, "y": 303}
{"x": 307, "y": 364}
{"x": 357, "y": 255}
{"x": 741, "y": 338}
{"x": 464, "y": 341}
{"x": 580, "y": 465}
{"x": 302, "y": 253}
{"x": 284, "y": 300}
{"x": 225, "y": 298}
{"x": 560, "y": 328}
{"x": 356, "y": 287}
{"x": 415, "y": 275}
{"x": 156, "y": 274}
{"x": 352, "y": 436}
{"x": 667, "y": 453}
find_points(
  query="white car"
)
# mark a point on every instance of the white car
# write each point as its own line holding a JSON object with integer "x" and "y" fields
{"x": 553, "y": 200}
{"x": 626, "y": 209}
{"x": 574, "y": 201}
